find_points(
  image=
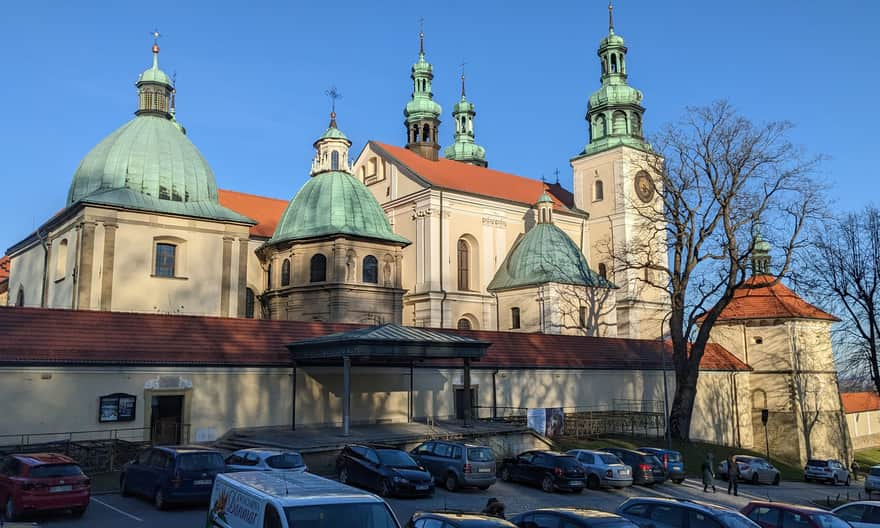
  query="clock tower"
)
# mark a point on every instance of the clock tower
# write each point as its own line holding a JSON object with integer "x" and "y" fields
{"x": 613, "y": 182}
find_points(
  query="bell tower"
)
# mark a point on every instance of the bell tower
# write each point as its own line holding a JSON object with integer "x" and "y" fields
{"x": 464, "y": 148}
{"x": 422, "y": 113}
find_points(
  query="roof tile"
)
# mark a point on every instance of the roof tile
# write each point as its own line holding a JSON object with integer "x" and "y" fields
{"x": 266, "y": 211}
{"x": 776, "y": 301}
{"x": 855, "y": 402}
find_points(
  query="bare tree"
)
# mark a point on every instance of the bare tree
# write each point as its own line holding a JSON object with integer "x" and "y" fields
{"x": 717, "y": 176}
{"x": 806, "y": 392}
{"x": 843, "y": 269}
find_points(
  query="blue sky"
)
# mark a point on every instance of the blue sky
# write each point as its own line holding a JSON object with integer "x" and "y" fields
{"x": 252, "y": 75}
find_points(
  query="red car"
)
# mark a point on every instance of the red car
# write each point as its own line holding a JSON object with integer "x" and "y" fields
{"x": 42, "y": 482}
{"x": 782, "y": 515}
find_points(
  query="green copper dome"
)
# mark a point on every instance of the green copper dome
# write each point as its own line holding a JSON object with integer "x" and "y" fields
{"x": 545, "y": 254}
{"x": 334, "y": 203}
{"x": 333, "y": 133}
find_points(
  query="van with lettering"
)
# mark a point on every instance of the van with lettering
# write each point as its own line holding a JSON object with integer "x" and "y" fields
{"x": 287, "y": 499}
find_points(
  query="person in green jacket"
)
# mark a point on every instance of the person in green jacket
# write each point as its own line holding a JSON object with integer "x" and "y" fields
{"x": 708, "y": 473}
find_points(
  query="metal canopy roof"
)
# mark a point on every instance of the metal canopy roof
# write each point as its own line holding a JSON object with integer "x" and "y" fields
{"x": 387, "y": 342}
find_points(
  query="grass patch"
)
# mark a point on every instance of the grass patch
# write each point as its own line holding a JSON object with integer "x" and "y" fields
{"x": 693, "y": 453}
{"x": 867, "y": 458}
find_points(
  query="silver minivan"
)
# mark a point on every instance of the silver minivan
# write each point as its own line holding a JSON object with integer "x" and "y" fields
{"x": 457, "y": 464}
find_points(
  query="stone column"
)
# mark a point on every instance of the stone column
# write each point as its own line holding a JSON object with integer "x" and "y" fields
{"x": 84, "y": 266}
{"x": 107, "y": 271}
{"x": 226, "y": 276}
{"x": 242, "y": 276}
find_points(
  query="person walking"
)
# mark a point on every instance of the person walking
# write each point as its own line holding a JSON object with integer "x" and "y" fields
{"x": 732, "y": 476}
{"x": 708, "y": 473}
{"x": 855, "y": 470}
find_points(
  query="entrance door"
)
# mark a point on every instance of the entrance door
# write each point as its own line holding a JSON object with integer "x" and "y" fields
{"x": 166, "y": 420}
{"x": 459, "y": 402}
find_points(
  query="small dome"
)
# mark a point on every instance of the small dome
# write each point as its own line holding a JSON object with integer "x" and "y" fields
{"x": 761, "y": 245}
{"x": 334, "y": 203}
{"x": 545, "y": 254}
{"x": 611, "y": 40}
{"x": 463, "y": 151}
{"x": 333, "y": 133}
{"x": 149, "y": 155}
{"x": 422, "y": 107}
{"x": 615, "y": 94}
{"x": 154, "y": 75}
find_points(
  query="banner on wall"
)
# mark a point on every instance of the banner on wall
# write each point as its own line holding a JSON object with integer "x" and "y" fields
{"x": 536, "y": 419}
{"x": 548, "y": 421}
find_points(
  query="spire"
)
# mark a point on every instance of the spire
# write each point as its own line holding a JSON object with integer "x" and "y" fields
{"x": 331, "y": 149}
{"x": 155, "y": 88}
{"x": 760, "y": 255}
{"x": 422, "y": 113}
{"x": 463, "y": 148}
{"x": 610, "y": 18}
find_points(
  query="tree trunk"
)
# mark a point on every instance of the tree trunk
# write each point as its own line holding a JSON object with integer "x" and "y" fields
{"x": 683, "y": 407}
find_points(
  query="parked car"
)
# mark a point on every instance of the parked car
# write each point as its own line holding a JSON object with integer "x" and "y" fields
{"x": 646, "y": 468}
{"x": 293, "y": 499}
{"x": 651, "y": 512}
{"x": 39, "y": 482}
{"x": 672, "y": 462}
{"x": 860, "y": 514}
{"x": 265, "y": 460}
{"x": 752, "y": 469}
{"x": 455, "y": 519}
{"x": 604, "y": 470}
{"x": 872, "y": 480}
{"x": 571, "y": 518}
{"x": 457, "y": 464}
{"x": 830, "y": 471}
{"x": 172, "y": 474}
{"x": 548, "y": 469}
{"x": 780, "y": 514}
{"x": 387, "y": 470}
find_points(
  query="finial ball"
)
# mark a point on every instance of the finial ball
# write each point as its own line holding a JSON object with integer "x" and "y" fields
{"x": 155, "y": 48}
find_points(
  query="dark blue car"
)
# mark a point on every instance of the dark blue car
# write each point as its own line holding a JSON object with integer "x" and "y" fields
{"x": 172, "y": 474}
{"x": 672, "y": 462}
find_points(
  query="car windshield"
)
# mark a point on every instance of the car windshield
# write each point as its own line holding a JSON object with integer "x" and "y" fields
{"x": 371, "y": 515}
{"x": 817, "y": 463}
{"x": 55, "y": 470}
{"x": 568, "y": 462}
{"x": 875, "y": 472}
{"x": 650, "y": 459}
{"x": 480, "y": 454}
{"x": 736, "y": 520}
{"x": 827, "y": 520}
{"x": 395, "y": 458}
{"x": 674, "y": 456}
{"x": 201, "y": 461}
{"x": 285, "y": 461}
{"x": 608, "y": 458}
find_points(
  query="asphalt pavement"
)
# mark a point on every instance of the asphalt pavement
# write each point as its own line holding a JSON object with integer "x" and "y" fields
{"x": 114, "y": 511}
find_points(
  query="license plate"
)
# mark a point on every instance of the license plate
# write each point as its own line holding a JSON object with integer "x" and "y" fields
{"x": 575, "y": 482}
{"x": 483, "y": 470}
{"x": 422, "y": 487}
{"x": 60, "y": 489}
{"x": 205, "y": 482}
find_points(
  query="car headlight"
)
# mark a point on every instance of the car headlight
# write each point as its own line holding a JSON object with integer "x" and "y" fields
{"x": 399, "y": 479}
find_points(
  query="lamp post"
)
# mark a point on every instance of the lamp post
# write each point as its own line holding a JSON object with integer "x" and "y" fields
{"x": 665, "y": 383}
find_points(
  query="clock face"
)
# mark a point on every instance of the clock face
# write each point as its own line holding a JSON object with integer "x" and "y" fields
{"x": 644, "y": 186}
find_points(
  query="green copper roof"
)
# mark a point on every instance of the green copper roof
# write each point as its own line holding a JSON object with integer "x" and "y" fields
{"x": 333, "y": 133}
{"x": 468, "y": 152}
{"x": 128, "y": 199}
{"x": 154, "y": 74}
{"x": 545, "y": 254}
{"x": 761, "y": 245}
{"x": 422, "y": 104}
{"x": 334, "y": 203}
{"x": 544, "y": 198}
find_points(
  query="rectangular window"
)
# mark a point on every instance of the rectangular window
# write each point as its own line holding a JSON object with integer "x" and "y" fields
{"x": 165, "y": 254}
{"x": 514, "y": 317}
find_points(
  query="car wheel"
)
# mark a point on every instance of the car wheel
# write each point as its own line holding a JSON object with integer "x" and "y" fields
{"x": 343, "y": 475}
{"x": 678, "y": 481}
{"x": 11, "y": 513}
{"x": 593, "y": 482}
{"x": 123, "y": 487}
{"x": 577, "y": 491}
{"x": 755, "y": 479}
{"x": 776, "y": 480}
{"x": 483, "y": 488}
{"x": 78, "y": 512}
{"x": 505, "y": 474}
{"x": 384, "y": 488}
{"x": 807, "y": 479}
{"x": 451, "y": 482}
{"x": 159, "y": 500}
{"x": 547, "y": 484}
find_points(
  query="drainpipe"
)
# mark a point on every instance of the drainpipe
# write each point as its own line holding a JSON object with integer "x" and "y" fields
{"x": 442, "y": 290}
{"x": 75, "y": 274}
{"x": 45, "y": 285}
{"x": 497, "y": 313}
{"x": 736, "y": 409}
{"x": 494, "y": 397}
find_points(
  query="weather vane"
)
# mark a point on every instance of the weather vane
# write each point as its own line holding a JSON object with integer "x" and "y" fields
{"x": 333, "y": 94}
{"x": 462, "y": 77}
{"x": 155, "y": 33}
{"x": 422, "y": 35}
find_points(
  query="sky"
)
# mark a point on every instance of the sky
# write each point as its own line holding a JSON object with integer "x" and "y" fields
{"x": 251, "y": 80}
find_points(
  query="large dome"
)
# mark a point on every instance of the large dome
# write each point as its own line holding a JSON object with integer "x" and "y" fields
{"x": 148, "y": 155}
{"x": 334, "y": 203}
{"x": 545, "y": 254}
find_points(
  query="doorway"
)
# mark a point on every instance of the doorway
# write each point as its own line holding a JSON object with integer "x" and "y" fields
{"x": 459, "y": 402}
{"x": 166, "y": 419}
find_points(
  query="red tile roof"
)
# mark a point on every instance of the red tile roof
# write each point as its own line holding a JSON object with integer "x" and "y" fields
{"x": 468, "y": 178}
{"x": 45, "y": 336}
{"x": 855, "y": 402}
{"x": 5, "y": 263}
{"x": 266, "y": 211}
{"x": 754, "y": 301}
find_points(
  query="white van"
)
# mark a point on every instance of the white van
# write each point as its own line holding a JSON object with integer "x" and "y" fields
{"x": 286, "y": 499}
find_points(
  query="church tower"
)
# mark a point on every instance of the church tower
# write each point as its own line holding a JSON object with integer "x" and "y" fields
{"x": 422, "y": 112}
{"x": 613, "y": 182}
{"x": 464, "y": 148}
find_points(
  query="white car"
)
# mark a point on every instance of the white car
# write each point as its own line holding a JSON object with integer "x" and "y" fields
{"x": 860, "y": 514}
{"x": 265, "y": 460}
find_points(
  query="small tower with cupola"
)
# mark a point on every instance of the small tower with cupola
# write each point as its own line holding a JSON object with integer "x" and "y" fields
{"x": 464, "y": 148}
{"x": 422, "y": 113}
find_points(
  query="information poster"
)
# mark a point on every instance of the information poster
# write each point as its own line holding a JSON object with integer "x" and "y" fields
{"x": 117, "y": 408}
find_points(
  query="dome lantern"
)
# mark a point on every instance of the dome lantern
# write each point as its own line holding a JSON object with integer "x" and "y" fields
{"x": 155, "y": 88}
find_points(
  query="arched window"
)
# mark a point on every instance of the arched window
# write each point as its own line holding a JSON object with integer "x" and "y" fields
{"x": 285, "y": 273}
{"x": 463, "y": 265}
{"x": 19, "y": 300}
{"x": 334, "y": 160}
{"x": 464, "y": 324}
{"x": 426, "y": 132}
{"x": 415, "y": 134}
{"x": 249, "y": 303}
{"x": 269, "y": 279}
{"x": 603, "y": 270}
{"x": 636, "y": 125}
{"x": 318, "y": 268}
{"x": 601, "y": 126}
{"x": 61, "y": 260}
{"x": 619, "y": 123}
{"x": 514, "y": 317}
{"x": 613, "y": 63}
{"x": 165, "y": 259}
{"x": 370, "y": 269}
{"x": 598, "y": 191}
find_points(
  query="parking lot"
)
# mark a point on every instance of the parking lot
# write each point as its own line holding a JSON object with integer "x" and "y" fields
{"x": 112, "y": 510}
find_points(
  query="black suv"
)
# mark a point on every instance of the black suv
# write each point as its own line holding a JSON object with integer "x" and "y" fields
{"x": 455, "y": 519}
{"x": 549, "y": 469}
{"x": 646, "y": 468}
{"x": 387, "y": 470}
